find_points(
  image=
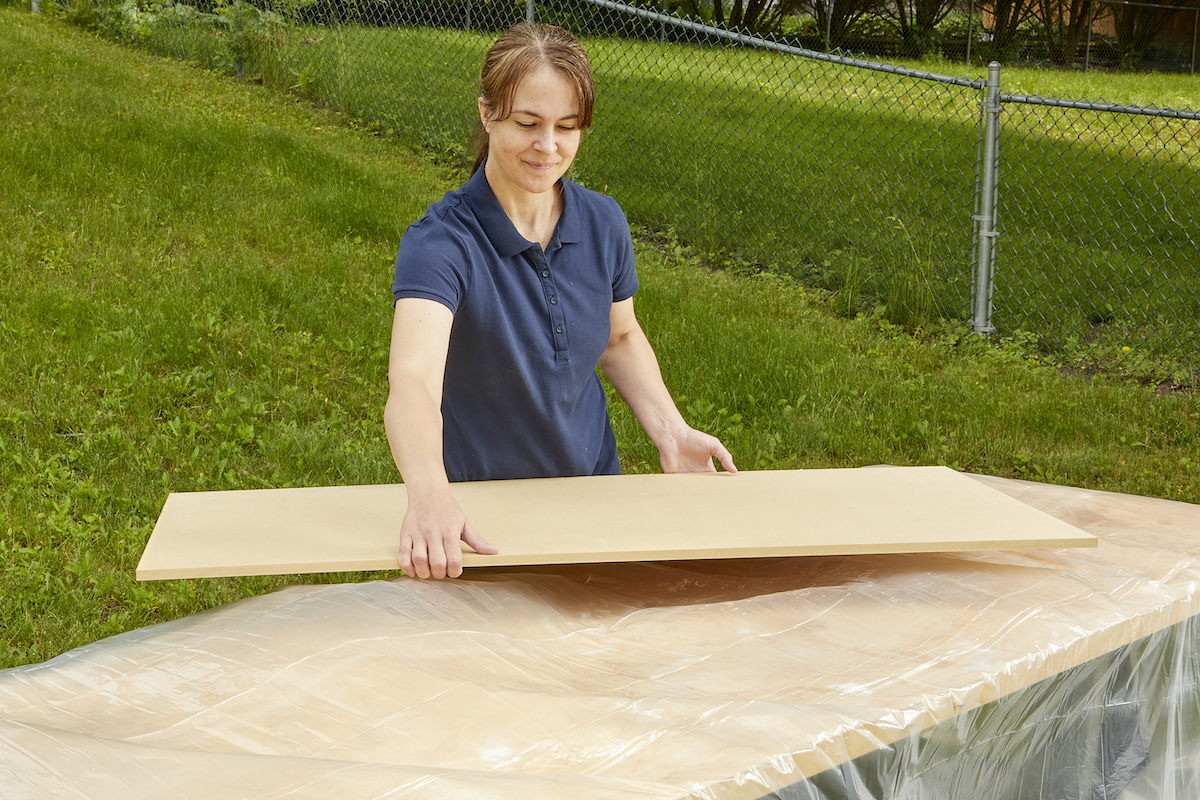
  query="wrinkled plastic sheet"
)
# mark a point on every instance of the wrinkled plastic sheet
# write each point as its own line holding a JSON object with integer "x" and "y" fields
{"x": 1058, "y": 674}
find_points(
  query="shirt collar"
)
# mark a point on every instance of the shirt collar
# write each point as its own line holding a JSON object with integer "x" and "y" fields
{"x": 499, "y": 228}
{"x": 570, "y": 226}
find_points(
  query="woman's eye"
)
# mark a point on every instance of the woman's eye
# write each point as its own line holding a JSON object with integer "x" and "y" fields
{"x": 525, "y": 125}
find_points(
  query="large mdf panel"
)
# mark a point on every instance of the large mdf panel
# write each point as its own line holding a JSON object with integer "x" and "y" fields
{"x": 604, "y": 518}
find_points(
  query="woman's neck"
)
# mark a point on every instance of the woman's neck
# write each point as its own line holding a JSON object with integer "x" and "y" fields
{"x": 533, "y": 215}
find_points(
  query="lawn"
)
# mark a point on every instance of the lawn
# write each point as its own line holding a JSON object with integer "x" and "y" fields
{"x": 197, "y": 276}
{"x": 846, "y": 178}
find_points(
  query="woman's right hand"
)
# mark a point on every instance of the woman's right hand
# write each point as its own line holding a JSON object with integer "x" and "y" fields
{"x": 429, "y": 535}
{"x": 433, "y": 524}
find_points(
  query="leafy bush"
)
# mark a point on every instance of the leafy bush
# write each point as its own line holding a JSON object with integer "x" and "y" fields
{"x": 958, "y": 25}
{"x": 874, "y": 26}
{"x": 800, "y": 25}
{"x": 224, "y": 34}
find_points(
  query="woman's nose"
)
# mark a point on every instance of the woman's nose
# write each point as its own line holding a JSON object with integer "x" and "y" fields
{"x": 546, "y": 143}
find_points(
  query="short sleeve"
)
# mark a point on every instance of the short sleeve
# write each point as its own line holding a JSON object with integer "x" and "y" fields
{"x": 625, "y": 280}
{"x": 431, "y": 264}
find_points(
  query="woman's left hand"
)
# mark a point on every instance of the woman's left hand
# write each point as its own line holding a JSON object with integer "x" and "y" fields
{"x": 691, "y": 450}
{"x": 631, "y": 367}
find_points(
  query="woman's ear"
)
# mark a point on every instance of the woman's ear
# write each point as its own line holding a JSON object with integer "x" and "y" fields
{"x": 484, "y": 113}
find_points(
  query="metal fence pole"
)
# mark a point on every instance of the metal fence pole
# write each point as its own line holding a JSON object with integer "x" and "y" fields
{"x": 239, "y": 38}
{"x": 970, "y": 30}
{"x": 36, "y": 5}
{"x": 1195, "y": 26}
{"x": 1087, "y": 52}
{"x": 981, "y": 321}
{"x": 529, "y": 15}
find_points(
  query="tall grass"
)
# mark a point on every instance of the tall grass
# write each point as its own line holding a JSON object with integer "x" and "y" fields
{"x": 196, "y": 276}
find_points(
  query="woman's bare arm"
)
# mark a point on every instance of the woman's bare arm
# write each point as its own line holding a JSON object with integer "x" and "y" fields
{"x": 434, "y": 524}
{"x": 630, "y": 365}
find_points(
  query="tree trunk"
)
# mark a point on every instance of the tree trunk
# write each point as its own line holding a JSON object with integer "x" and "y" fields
{"x": 918, "y": 24}
{"x": 1007, "y": 18}
{"x": 1065, "y": 24}
{"x": 737, "y": 15}
{"x": 1137, "y": 27}
{"x": 845, "y": 14}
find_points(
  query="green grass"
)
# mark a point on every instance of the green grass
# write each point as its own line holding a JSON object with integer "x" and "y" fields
{"x": 196, "y": 277}
{"x": 848, "y": 179}
{"x": 763, "y": 362}
{"x": 197, "y": 274}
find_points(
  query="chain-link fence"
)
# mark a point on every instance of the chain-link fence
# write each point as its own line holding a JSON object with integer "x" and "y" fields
{"x": 1111, "y": 35}
{"x": 1130, "y": 35}
{"x": 904, "y": 193}
{"x": 1100, "y": 208}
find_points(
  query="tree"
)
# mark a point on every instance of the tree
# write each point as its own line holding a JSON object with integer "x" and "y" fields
{"x": 1137, "y": 26}
{"x": 918, "y": 20}
{"x": 763, "y": 16}
{"x": 1065, "y": 22}
{"x": 838, "y": 16}
{"x": 1007, "y": 17}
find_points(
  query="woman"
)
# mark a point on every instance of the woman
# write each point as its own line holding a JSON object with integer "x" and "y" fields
{"x": 509, "y": 292}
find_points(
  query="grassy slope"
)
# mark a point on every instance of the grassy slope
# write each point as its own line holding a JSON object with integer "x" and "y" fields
{"x": 196, "y": 281}
{"x": 196, "y": 276}
{"x": 849, "y": 178}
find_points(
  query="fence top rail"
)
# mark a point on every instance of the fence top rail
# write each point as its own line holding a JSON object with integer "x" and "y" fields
{"x": 1150, "y": 5}
{"x": 750, "y": 40}
{"x": 1114, "y": 108}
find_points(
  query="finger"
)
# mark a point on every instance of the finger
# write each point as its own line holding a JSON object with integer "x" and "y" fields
{"x": 453, "y": 555}
{"x": 437, "y": 558}
{"x": 406, "y": 562}
{"x": 420, "y": 559}
{"x": 477, "y": 542}
{"x": 725, "y": 457}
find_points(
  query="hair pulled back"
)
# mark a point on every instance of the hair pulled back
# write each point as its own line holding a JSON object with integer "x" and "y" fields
{"x": 521, "y": 51}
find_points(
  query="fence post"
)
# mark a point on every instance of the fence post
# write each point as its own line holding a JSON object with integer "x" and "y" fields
{"x": 985, "y": 220}
{"x": 35, "y": 6}
{"x": 1195, "y": 27}
{"x": 970, "y": 30}
{"x": 1087, "y": 53}
{"x": 529, "y": 15}
{"x": 239, "y": 38}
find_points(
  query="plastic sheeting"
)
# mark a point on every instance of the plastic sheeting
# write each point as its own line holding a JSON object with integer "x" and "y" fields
{"x": 1057, "y": 674}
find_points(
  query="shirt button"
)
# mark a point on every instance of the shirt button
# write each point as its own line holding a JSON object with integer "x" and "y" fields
{"x": 553, "y": 301}
{"x": 545, "y": 273}
{"x": 559, "y": 329}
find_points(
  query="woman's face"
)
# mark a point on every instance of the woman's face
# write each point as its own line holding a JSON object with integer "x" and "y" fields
{"x": 530, "y": 149}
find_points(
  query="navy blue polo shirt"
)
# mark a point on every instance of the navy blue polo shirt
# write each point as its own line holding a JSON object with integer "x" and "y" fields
{"x": 521, "y": 398}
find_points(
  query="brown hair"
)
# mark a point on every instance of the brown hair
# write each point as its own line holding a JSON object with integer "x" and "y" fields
{"x": 519, "y": 52}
